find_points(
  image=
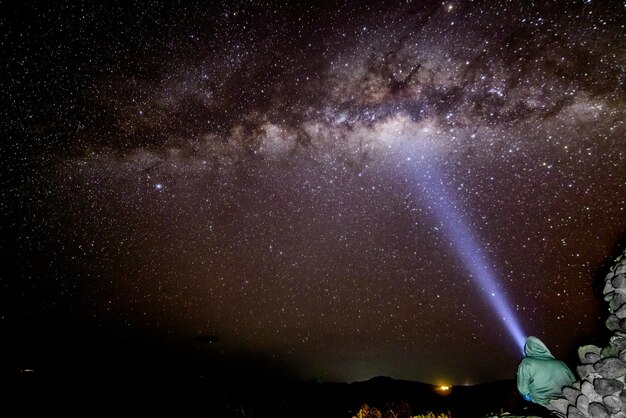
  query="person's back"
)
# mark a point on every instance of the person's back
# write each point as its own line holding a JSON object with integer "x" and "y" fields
{"x": 540, "y": 376}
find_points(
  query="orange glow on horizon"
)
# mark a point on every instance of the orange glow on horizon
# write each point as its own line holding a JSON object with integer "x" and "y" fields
{"x": 443, "y": 389}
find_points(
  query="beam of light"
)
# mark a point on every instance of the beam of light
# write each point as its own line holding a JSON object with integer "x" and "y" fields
{"x": 444, "y": 208}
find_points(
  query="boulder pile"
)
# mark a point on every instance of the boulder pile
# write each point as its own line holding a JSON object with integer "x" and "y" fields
{"x": 601, "y": 392}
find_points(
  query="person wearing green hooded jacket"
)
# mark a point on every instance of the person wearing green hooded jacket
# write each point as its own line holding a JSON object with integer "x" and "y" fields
{"x": 541, "y": 377}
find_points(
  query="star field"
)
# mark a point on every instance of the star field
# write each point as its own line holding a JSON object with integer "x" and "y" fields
{"x": 250, "y": 170}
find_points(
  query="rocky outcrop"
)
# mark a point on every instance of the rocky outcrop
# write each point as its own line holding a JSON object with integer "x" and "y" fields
{"x": 600, "y": 391}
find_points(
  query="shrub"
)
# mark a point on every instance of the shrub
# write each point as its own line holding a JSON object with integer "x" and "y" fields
{"x": 367, "y": 411}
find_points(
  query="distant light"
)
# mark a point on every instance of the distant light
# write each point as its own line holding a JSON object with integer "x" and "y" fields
{"x": 443, "y": 389}
{"x": 158, "y": 186}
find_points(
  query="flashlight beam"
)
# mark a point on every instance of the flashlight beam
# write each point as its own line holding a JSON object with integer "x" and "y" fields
{"x": 468, "y": 248}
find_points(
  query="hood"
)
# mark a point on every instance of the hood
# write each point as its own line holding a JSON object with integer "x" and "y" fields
{"x": 535, "y": 348}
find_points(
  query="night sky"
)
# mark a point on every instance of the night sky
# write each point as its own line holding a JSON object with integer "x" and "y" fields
{"x": 287, "y": 184}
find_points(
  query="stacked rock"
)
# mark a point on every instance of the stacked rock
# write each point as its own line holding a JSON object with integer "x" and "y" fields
{"x": 600, "y": 392}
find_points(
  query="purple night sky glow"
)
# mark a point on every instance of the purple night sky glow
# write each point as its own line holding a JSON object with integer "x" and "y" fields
{"x": 332, "y": 189}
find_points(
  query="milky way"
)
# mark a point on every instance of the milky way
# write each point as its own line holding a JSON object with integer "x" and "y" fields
{"x": 247, "y": 170}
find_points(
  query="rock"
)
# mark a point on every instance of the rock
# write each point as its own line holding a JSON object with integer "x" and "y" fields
{"x": 621, "y": 312}
{"x": 612, "y": 323}
{"x": 586, "y": 371}
{"x": 622, "y": 324}
{"x": 617, "y": 343}
{"x": 588, "y": 390}
{"x": 610, "y": 368}
{"x": 573, "y": 412}
{"x": 582, "y": 403}
{"x": 561, "y": 404}
{"x": 576, "y": 384}
{"x": 571, "y": 394}
{"x": 609, "y": 296}
{"x": 609, "y": 351}
{"x": 608, "y": 287}
{"x": 618, "y": 296}
{"x": 612, "y": 403}
{"x": 598, "y": 410}
{"x": 586, "y": 387}
{"x": 621, "y": 269}
{"x": 619, "y": 414}
{"x": 606, "y": 387}
{"x": 618, "y": 281}
{"x": 618, "y": 299}
{"x": 587, "y": 350}
{"x": 592, "y": 357}
{"x": 618, "y": 340}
